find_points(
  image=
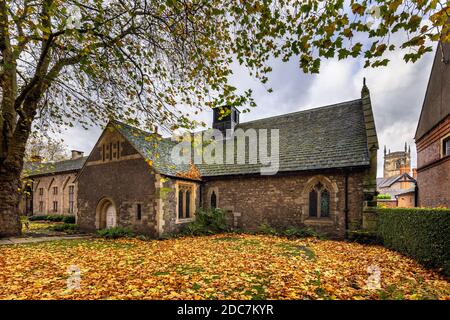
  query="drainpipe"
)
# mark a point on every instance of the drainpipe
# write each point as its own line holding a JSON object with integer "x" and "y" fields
{"x": 346, "y": 204}
{"x": 416, "y": 194}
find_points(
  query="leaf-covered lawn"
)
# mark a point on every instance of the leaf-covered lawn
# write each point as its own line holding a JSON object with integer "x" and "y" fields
{"x": 216, "y": 267}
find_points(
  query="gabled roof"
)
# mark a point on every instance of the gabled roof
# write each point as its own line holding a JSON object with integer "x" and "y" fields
{"x": 328, "y": 137}
{"x": 33, "y": 169}
{"x": 436, "y": 105}
{"x": 387, "y": 182}
{"x": 152, "y": 147}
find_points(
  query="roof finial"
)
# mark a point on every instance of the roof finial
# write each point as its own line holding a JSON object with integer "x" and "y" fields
{"x": 384, "y": 149}
{"x": 406, "y": 148}
{"x": 365, "y": 90}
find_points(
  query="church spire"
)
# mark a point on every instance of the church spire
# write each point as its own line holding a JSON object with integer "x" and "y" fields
{"x": 365, "y": 90}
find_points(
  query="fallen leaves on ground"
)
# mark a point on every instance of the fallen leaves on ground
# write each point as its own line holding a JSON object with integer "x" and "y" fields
{"x": 216, "y": 267}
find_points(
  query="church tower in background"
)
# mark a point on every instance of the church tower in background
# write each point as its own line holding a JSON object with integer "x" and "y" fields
{"x": 396, "y": 163}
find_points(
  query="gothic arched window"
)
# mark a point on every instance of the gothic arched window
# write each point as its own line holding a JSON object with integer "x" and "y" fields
{"x": 213, "y": 200}
{"x": 313, "y": 203}
{"x": 324, "y": 204}
{"x": 319, "y": 202}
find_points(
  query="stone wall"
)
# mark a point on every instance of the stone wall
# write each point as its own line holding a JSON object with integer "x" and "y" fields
{"x": 282, "y": 201}
{"x": 43, "y": 191}
{"x": 168, "y": 189}
{"x": 126, "y": 181}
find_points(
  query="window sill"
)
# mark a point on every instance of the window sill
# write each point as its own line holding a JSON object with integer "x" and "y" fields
{"x": 318, "y": 221}
{"x": 187, "y": 220}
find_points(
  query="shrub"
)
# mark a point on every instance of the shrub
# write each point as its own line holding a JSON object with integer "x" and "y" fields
{"x": 384, "y": 196}
{"x": 211, "y": 221}
{"x": 51, "y": 217}
{"x": 297, "y": 232}
{"x": 266, "y": 229}
{"x": 364, "y": 237}
{"x": 420, "y": 233}
{"x": 37, "y": 218}
{"x": 116, "y": 232}
{"x": 68, "y": 219}
{"x": 65, "y": 227}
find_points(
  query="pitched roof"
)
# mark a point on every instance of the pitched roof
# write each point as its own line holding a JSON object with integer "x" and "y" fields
{"x": 32, "y": 169}
{"x": 328, "y": 137}
{"x": 387, "y": 182}
{"x": 436, "y": 104}
{"x": 153, "y": 148}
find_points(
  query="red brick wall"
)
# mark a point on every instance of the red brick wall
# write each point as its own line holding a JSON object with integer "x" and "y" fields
{"x": 433, "y": 172}
{"x": 280, "y": 201}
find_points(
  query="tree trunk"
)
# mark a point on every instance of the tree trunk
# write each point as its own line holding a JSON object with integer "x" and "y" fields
{"x": 10, "y": 179}
{"x": 10, "y": 224}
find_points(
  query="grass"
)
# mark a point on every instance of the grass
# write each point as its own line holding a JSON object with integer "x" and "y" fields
{"x": 230, "y": 266}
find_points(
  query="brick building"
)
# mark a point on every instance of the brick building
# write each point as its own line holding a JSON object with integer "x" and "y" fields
{"x": 51, "y": 187}
{"x": 433, "y": 135}
{"x": 327, "y": 169}
{"x": 398, "y": 181}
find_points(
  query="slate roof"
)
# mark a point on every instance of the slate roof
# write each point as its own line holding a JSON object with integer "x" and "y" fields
{"x": 32, "y": 169}
{"x": 387, "y": 182}
{"x": 328, "y": 137}
{"x": 152, "y": 148}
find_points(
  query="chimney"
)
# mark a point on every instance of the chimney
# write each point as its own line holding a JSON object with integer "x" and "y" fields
{"x": 225, "y": 118}
{"x": 77, "y": 154}
{"x": 365, "y": 90}
{"x": 36, "y": 158}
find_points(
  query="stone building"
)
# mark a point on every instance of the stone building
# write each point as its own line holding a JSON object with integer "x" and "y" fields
{"x": 327, "y": 169}
{"x": 433, "y": 135}
{"x": 51, "y": 187}
{"x": 398, "y": 179}
{"x": 395, "y": 162}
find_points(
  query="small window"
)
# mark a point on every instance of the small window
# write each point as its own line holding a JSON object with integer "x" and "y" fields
{"x": 71, "y": 199}
{"x": 138, "y": 211}
{"x": 118, "y": 149}
{"x": 41, "y": 206}
{"x": 185, "y": 201}
{"x": 110, "y": 152}
{"x": 55, "y": 190}
{"x": 41, "y": 191}
{"x": 188, "y": 204}
{"x": 319, "y": 202}
{"x": 55, "y": 206}
{"x": 103, "y": 153}
{"x": 180, "y": 204}
{"x": 213, "y": 200}
{"x": 446, "y": 147}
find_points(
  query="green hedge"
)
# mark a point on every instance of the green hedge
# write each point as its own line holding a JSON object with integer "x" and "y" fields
{"x": 421, "y": 233}
{"x": 53, "y": 218}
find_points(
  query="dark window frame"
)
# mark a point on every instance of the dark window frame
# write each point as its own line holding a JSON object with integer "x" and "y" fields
{"x": 138, "y": 211}
{"x": 446, "y": 146}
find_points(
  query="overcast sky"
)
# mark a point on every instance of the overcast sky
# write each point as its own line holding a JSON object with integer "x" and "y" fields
{"x": 397, "y": 93}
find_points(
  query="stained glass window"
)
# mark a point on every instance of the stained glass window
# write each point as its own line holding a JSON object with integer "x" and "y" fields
{"x": 324, "y": 204}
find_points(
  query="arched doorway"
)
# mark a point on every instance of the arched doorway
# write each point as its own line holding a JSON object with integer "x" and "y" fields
{"x": 106, "y": 214}
{"x": 110, "y": 216}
